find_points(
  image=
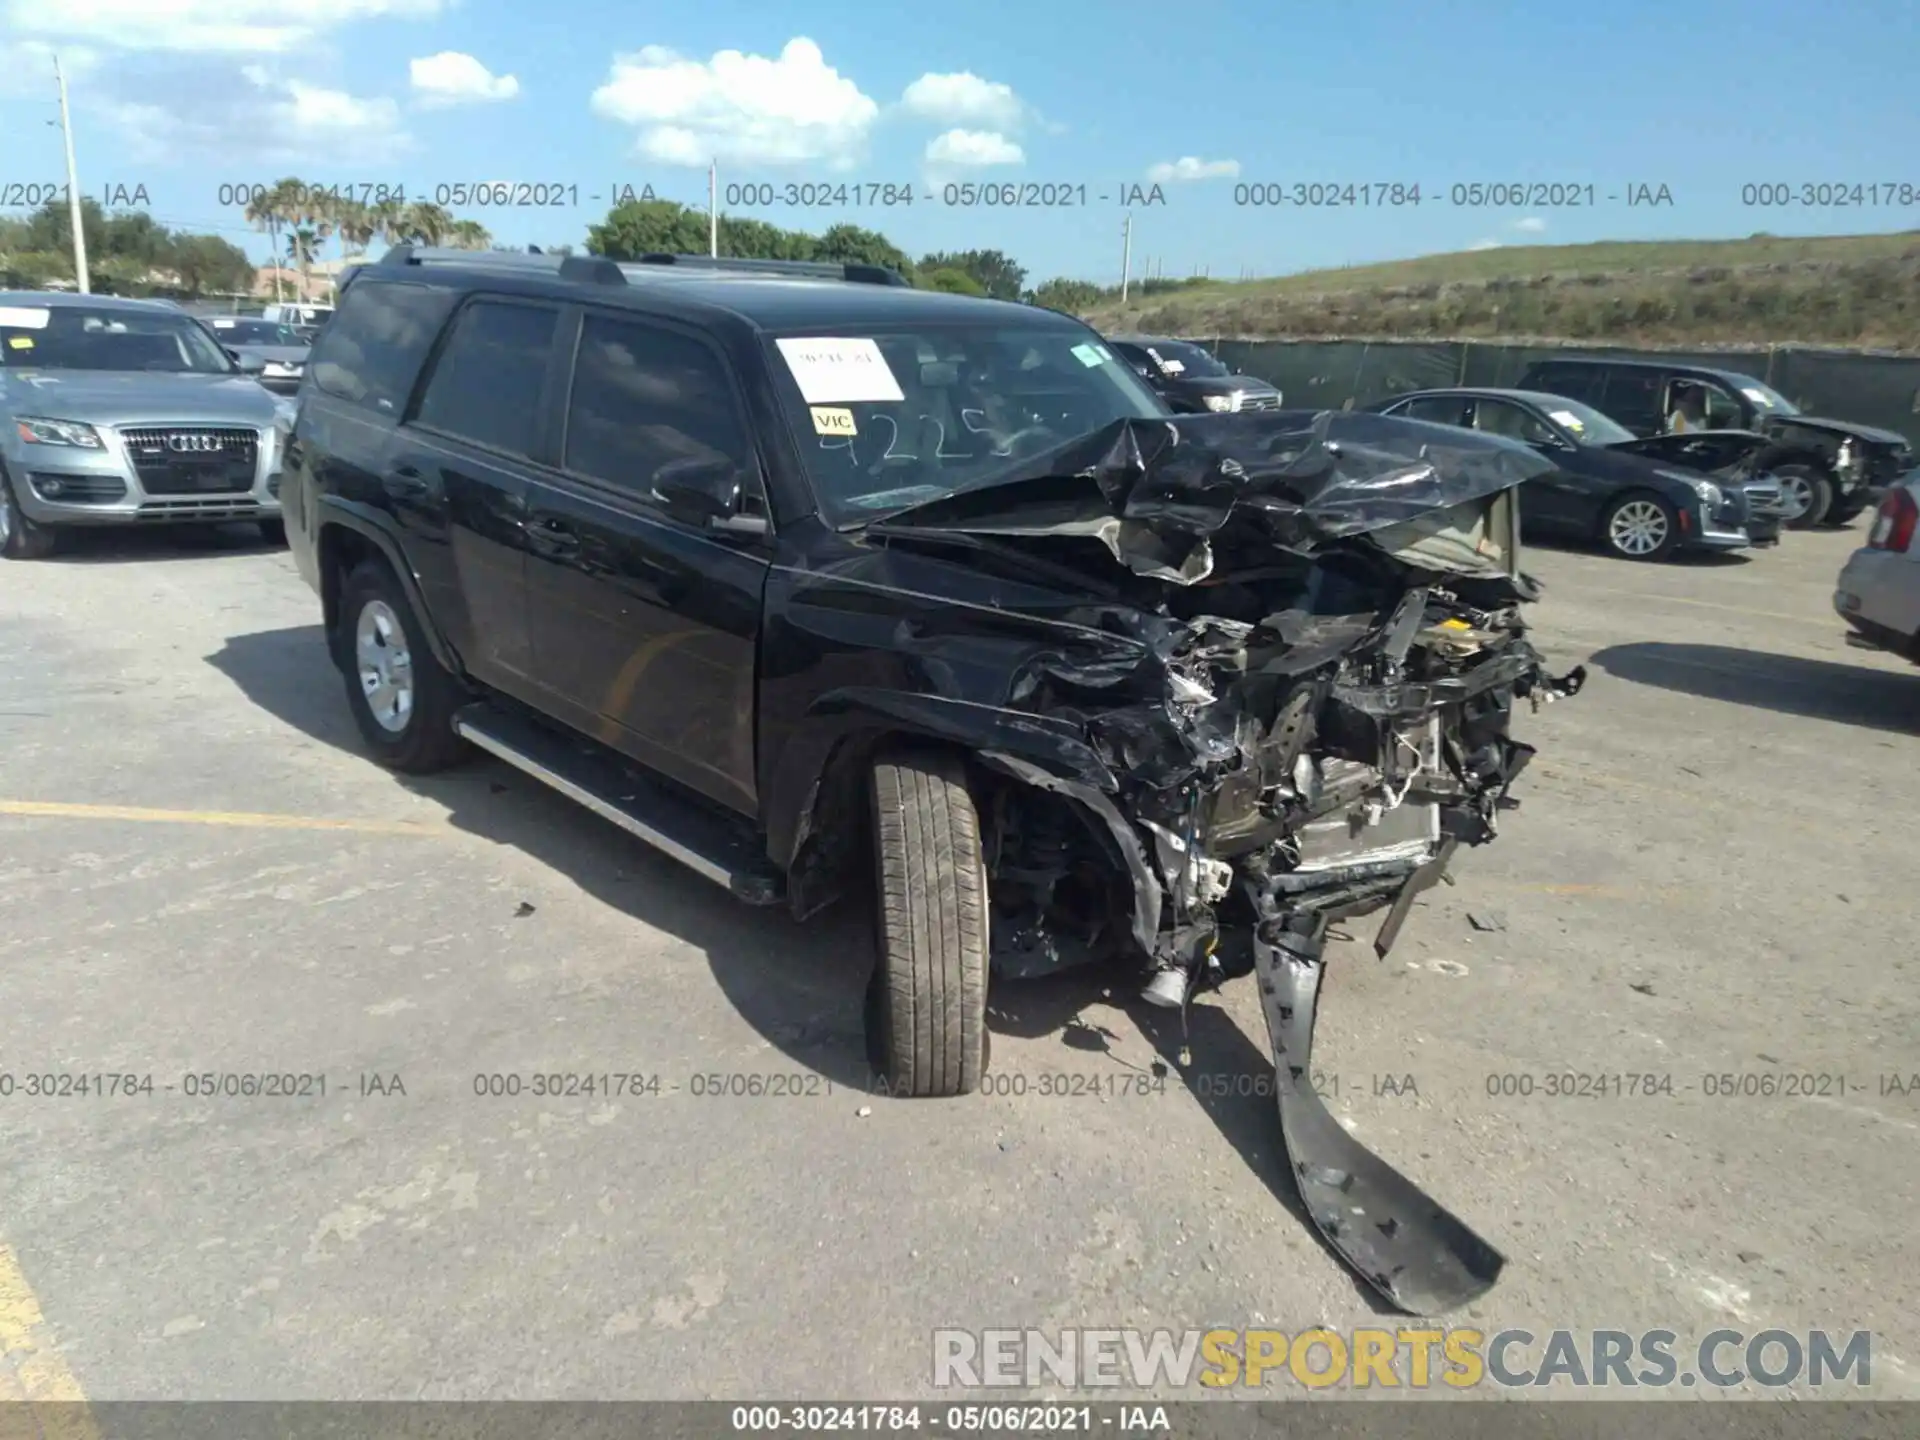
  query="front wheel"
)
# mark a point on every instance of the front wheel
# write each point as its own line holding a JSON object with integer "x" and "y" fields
{"x": 1640, "y": 526}
{"x": 401, "y": 697}
{"x": 926, "y": 1014}
{"x": 21, "y": 538}
{"x": 1808, "y": 495}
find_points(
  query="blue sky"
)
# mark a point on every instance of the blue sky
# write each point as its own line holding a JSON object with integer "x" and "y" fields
{"x": 186, "y": 96}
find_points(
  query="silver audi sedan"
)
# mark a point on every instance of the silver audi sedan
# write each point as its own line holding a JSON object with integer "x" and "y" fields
{"x": 127, "y": 412}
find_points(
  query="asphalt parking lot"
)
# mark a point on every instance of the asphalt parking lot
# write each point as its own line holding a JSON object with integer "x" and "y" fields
{"x": 200, "y": 873}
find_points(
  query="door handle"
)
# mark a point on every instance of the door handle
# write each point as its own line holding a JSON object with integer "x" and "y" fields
{"x": 554, "y": 534}
{"x": 405, "y": 481}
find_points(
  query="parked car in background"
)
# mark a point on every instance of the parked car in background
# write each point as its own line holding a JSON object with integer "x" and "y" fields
{"x": 1633, "y": 505}
{"x": 124, "y": 412}
{"x": 1878, "y": 593}
{"x": 315, "y": 316}
{"x": 1829, "y": 470}
{"x": 280, "y": 350}
{"x": 1190, "y": 379}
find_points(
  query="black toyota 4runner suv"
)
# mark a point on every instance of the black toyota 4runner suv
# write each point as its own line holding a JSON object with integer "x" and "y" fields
{"x": 823, "y": 584}
{"x": 1829, "y": 470}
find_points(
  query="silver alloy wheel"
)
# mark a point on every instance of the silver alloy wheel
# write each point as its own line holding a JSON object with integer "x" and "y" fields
{"x": 1638, "y": 527}
{"x": 385, "y": 666}
{"x": 1797, "y": 492}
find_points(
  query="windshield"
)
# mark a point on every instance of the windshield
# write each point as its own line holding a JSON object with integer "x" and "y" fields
{"x": 1586, "y": 424}
{"x": 1177, "y": 357}
{"x": 891, "y": 419}
{"x": 74, "y": 337}
{"x": 254, "y": 332}
{"x": 1764, "y": 396}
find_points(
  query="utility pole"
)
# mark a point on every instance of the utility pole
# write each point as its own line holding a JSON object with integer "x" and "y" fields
{"x": 73, "y": 189}
{"x": 1126, "y": 255}
{"x": 713, "y": 209}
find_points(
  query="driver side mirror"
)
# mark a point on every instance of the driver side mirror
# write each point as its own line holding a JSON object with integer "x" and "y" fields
{"x": 249, "y": 364}
{"x": 706, "y": 491}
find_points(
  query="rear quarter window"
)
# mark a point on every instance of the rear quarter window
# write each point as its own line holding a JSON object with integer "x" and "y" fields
{"x": 372, "y": 351}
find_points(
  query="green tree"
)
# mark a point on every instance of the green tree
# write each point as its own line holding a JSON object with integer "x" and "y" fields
{"x": 1072, "y": 296}
{"x": 853, "y": 245}
{"x": 952, "y": 281}
{"x": 996, "y": 272}
{"x": 649, "y": 227}
{"x": 50, "y": 228}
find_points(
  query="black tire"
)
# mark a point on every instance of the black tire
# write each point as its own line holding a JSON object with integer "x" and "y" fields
{"x": 423, "y": 739}
{"x": 21, "y": 538}
{"x": 1845, "y": 512}
{"x": 1658, "y": 529}
{"x": 927, "y": 1002}
{"x": 1819, "y": 488}
{"x": 273, "y": 532}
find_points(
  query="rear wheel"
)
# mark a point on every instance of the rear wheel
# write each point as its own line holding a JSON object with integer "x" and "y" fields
{"x": 402, "y": 698}
{"x": 927, "y": 1002}
{"x": 21, "y": 538}
{"x": 1640, "y": 526}
{"x": 1808, "y": 495}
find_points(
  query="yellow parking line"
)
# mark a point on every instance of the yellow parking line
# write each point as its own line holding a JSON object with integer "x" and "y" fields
{"x": 239, "y": 819}
{"x": 33, "y": 1373}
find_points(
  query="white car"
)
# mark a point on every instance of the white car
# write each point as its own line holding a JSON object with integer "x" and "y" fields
{"x": 1878, "y": 593}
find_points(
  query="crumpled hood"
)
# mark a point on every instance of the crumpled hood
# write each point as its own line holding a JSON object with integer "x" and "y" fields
{"x": 1161, "y": 494}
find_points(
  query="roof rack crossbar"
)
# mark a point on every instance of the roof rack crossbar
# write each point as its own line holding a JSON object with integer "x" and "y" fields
{"x": 817, "y": 269}
{"x": 594, "y": 268}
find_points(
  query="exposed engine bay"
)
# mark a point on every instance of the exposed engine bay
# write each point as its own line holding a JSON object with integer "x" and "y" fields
{"x": 1300, "y": 697}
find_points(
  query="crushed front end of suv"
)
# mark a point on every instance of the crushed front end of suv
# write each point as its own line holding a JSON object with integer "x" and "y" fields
{"x": 930, "y": 599}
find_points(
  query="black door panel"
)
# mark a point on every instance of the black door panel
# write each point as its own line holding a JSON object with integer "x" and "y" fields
{"x": 645, "y": 627}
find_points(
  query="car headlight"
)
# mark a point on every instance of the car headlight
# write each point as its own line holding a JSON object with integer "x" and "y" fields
{"x": 1224, "y": 402}
{"x": 34, "y": 430}
{"x": 1710, "y": 494}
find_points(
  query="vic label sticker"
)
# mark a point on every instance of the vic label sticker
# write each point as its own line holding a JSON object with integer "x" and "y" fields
{"x": 1088, "y": 355}
{"x": 839, "y": 372}
{"x": 829, "y": 421}
{"x": 18, "y": 317}
{"x": 20, "y": 342}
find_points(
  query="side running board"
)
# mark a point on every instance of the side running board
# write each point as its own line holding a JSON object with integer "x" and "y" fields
{"x": 706, "y": 843}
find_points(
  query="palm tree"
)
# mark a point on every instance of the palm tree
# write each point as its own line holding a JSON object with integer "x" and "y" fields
{"x": 303, "y": 244}
{"x": 423, "y": 224}
{"x": 356, "y": 225}
{"x": 469, "y": 235}
{"x": 264, "y": 212}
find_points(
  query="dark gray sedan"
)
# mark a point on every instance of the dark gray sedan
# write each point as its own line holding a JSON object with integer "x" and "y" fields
{"x": 278, "y": 347}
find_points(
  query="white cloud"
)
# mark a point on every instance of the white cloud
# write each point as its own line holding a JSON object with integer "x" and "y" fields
{"x": 973, "y": 148}
{"x": 738, "y": 108}
{"x": 26, "y": 68}
{"x": 455, "y": 78}
{"x": 1484, "y": 245}
{"x": 963, "y": 99}
{"x": 1191, "y": 167}
{"x": 274, "y": 122}
{"x": 233, "y": 26}
{"x": 1532, "y": 224}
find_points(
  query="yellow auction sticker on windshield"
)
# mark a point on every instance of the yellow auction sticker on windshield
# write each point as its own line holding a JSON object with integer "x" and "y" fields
{"x": 20, "y": 342}
{"x": 830, "y": 421}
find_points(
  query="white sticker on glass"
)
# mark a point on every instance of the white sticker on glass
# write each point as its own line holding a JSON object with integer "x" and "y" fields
{"x": 19, "y": 317}
{"x": 832, "y": 371}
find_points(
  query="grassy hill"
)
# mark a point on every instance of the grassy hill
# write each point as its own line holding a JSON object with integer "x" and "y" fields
{"x": 1841, "y": 290}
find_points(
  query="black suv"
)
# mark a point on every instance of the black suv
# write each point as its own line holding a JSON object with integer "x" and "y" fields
{"x": 1189, "y": 378}
{"x": 1829, "y": 470}
{"x": 824, "y": 585}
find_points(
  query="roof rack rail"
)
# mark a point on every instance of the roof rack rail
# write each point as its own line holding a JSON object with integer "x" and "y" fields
{"x": 854, "y": 271}
{"x": 594, "y": 268}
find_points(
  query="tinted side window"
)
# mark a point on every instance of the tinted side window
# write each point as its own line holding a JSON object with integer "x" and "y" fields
{"x": 372, "y": 352}
{"x": 1633, "y": 397}
{"x": 1576, "y": 382}
{"x": 1437, "y": 409}
{"x": 644, "y": 396}
{"x": 485, "y": 386}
